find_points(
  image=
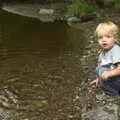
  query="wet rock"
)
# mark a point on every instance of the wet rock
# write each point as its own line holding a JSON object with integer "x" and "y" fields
{"x": 73, "y": 20}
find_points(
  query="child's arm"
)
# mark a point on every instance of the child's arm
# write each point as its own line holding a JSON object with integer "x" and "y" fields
{"x": 111, "y": 73}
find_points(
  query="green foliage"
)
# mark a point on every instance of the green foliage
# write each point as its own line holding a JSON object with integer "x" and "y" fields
{"x": 117, "y": 5}
{"x": 81, "y": 7}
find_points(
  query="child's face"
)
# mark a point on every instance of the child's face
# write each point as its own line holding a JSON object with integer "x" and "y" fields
{"x": 106, "y": 41}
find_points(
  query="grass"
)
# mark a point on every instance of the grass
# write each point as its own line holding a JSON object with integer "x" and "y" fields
{"x": 81, "y": 7}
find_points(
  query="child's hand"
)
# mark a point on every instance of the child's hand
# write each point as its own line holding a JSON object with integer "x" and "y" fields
{"x": 105, "y": 75}
{"x": 95, "y": 83}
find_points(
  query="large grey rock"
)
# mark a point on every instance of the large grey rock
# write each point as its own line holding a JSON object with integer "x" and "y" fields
{"x": 45, "y": 13}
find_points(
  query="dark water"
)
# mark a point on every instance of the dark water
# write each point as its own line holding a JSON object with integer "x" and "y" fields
{"x": 39, "y": 68}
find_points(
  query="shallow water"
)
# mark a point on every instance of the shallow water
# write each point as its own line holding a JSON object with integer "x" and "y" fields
{"x": 39, "y": 68}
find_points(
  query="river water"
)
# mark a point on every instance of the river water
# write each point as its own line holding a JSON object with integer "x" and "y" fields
{"x": 39, "y": 68}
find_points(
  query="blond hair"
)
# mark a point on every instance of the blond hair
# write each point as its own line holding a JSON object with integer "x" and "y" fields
{"x": 108, "y": 28}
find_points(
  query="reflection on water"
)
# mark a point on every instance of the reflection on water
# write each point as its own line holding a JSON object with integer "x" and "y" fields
{"x": 36, "y": 67}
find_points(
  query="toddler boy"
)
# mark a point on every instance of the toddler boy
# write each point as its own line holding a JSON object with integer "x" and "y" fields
{"x": 108, "y": 69}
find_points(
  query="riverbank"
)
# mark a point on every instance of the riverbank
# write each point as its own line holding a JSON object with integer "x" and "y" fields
{"x": 47, "y": 80}
{"x": 94, "y": 98}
